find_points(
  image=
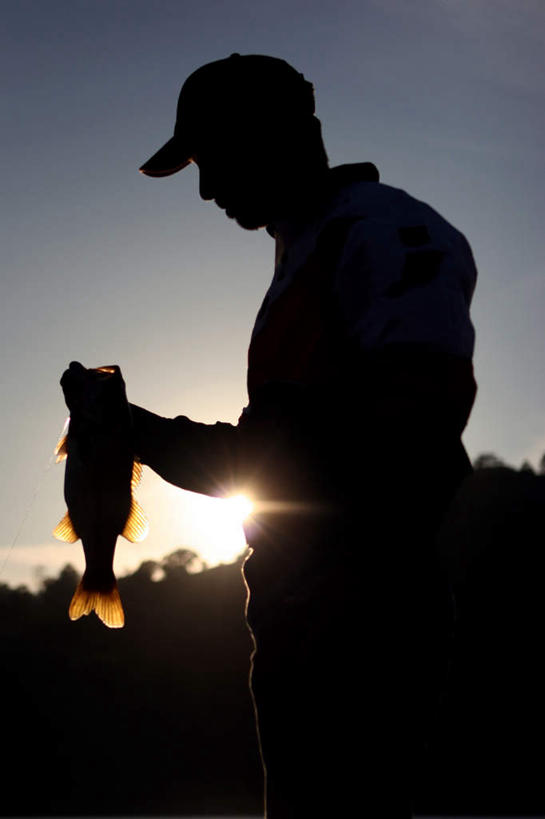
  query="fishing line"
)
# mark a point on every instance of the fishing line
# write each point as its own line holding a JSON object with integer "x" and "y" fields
{"x": 30, "y": 504}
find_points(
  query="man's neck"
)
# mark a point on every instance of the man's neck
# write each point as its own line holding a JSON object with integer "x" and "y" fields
{"x": 307, "y": 200}
{"x": 302, "y": 197}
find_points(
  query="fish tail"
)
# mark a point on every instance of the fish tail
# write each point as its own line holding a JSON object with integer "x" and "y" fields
{"x": 106, "y": 604}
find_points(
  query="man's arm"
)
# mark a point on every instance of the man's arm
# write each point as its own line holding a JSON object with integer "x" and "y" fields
{"x": 203, "y": 458}
{"x": 404, "y": 296}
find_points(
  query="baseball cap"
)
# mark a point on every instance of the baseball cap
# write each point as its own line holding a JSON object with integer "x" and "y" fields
{"x": 240, "y": 86}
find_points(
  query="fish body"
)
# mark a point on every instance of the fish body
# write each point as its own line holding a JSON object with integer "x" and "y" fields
{"x": 101, "y": 474}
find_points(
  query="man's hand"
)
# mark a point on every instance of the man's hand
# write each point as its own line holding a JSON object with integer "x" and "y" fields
{"x": 90, "y": 393}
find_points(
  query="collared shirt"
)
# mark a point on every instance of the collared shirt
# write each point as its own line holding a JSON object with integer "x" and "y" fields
{"x": 364, "y": 339}
{"x": 374, "y": 265}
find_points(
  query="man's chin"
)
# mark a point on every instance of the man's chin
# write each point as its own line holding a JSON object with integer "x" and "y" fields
{"x": 249, "y": 224}
{"x": 249, "y": 220}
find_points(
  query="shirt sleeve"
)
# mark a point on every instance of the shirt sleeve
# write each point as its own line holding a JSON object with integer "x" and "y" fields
{"x": 407, "y": 283}
{"x": 403, "y": 292}
{"x": 199, "y": 457}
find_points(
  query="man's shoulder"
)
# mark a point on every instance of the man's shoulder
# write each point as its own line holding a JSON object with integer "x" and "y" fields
{"x": 357, "y": 194}
{"x": 347, "y": 174}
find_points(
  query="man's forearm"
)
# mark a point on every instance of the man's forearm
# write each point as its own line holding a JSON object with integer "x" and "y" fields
{"x": 199, "y": 457}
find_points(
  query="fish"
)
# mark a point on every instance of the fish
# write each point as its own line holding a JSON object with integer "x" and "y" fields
{"x": 100, "y": 478}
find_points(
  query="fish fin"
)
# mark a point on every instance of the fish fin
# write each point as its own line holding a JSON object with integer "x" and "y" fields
{"x": 136, "y": 474}
{"x": 61, "y": 450}
{"x": 65, "y": 530}
{"x": 107, "y": 605}
{"x": 137, "y": 525}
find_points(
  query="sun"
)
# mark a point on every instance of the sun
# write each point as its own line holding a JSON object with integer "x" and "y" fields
{"x": 209, "y": 526}
{"x": 221, "y": 528}
{"x": 214, "y": 526}
{"x": 239, "y": 506}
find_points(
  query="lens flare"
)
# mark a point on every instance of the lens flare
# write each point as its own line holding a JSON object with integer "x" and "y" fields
{"x": 240, "y": 506}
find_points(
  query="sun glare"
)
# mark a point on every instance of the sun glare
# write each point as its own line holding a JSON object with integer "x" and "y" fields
{"x": 222, "y": 534}
{"x": 240, "y": 507}
{"x": 211, "y": 527}
{"x": 217, "y": 526}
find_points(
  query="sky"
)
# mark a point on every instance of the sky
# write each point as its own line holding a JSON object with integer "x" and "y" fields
{"x": 102, "y": 265}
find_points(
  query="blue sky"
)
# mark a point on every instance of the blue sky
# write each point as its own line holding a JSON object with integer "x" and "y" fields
{"x": 102, "y": 265}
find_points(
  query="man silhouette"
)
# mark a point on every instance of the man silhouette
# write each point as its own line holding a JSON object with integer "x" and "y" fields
{"x": 360, "y": 383}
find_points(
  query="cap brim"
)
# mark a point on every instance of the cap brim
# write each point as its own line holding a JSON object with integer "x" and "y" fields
{"x": 169, "y": 159}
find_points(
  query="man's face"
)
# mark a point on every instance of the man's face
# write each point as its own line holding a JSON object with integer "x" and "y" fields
{"x": 243, "y": 174}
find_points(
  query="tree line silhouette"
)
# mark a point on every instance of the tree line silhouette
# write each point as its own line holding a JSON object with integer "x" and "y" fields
{"x": 156, "y": 718}
{"x": 151, "y": 719}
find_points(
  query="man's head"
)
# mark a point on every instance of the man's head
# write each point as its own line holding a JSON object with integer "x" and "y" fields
{"x": 248, "y": 123}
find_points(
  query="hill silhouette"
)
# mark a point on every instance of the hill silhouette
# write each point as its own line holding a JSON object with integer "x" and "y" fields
{"x": 156, "y": 718}
{"x": 487, "y": 755}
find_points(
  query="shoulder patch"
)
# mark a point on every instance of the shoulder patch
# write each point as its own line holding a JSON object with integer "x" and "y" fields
{"x": 414, "y": 236}
{"x": 421, "y": 266}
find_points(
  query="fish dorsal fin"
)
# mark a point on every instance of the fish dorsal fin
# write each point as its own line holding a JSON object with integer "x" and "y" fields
{"x": 61, "y": 450}
{"x": 136, "y": 474}
{"x": 65, "y": 530}
{"x": 137, "y": 526}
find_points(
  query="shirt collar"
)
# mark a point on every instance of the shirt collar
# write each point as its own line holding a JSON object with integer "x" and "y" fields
{"x": 339, "y": 177}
